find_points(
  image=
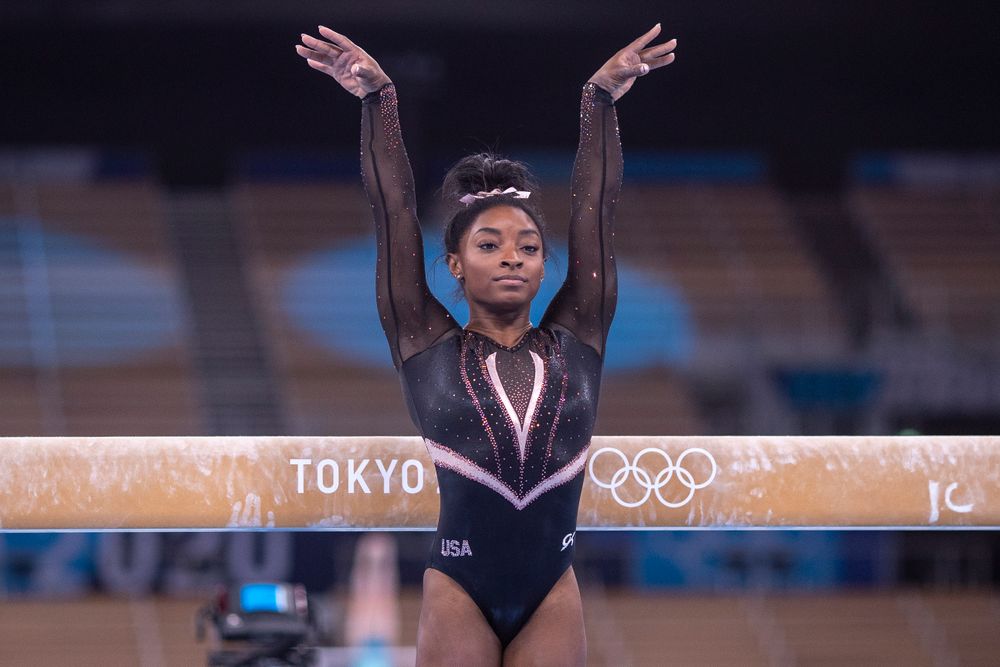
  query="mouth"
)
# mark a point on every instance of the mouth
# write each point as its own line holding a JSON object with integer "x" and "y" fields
{"x": 511, "y": 280}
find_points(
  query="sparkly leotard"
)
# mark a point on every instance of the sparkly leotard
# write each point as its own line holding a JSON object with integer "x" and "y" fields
{"x": 507, "y": 427}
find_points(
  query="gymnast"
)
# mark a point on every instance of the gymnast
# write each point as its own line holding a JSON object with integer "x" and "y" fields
{"x": 506, "y": 409}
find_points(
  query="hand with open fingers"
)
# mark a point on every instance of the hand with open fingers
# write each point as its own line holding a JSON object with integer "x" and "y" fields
{"x": 618, "y": 74}
{"x": 344, "y": 60}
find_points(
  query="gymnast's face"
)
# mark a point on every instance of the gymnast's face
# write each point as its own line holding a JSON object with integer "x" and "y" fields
{"x": 500, "y": 258}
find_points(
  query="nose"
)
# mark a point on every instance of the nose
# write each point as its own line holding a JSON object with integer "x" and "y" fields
{"x": 512, "y": 261}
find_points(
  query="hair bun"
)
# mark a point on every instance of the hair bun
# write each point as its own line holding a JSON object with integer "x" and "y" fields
{"x": 484, "y": 172}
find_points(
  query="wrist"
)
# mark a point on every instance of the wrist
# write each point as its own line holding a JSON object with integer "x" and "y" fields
{"x": 603, "y": 90}
{"x": 373, "y": 94}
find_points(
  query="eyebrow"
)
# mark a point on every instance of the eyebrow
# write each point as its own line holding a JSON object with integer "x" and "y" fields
{"x": 497, "y": 231}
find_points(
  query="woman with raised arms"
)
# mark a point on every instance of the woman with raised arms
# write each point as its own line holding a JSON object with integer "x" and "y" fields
{"x": 506, "y": 408}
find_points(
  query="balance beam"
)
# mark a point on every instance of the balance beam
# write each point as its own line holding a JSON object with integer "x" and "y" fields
{"x": 388, "y": 483}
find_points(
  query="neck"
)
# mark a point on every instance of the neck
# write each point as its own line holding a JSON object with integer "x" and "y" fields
{"x": 505, "y": 328}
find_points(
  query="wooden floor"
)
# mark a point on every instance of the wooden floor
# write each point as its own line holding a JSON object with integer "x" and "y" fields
{"x": 623, "y": 628}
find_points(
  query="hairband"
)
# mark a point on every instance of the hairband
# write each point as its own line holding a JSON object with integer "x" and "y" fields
{"x": 482, "y": 194}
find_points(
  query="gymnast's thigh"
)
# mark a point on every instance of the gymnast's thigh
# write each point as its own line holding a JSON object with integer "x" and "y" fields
{"x": 452, "y": 630}
{"x": 554, "y": 635}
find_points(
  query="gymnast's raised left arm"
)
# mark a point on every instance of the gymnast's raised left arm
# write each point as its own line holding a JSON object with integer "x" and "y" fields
{"x": 585, "y": 304}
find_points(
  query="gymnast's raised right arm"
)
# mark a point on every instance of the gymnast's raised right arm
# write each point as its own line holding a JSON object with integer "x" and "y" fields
{"x": 412, "y": 318}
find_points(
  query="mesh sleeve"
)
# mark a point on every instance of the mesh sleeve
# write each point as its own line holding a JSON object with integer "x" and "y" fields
{"x": 412, "y": 318}
{"x": 585, "y": 304}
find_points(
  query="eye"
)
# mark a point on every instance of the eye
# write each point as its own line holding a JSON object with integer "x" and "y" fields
{"x": 488, "y": 243}
{"x": 531, "y": 248}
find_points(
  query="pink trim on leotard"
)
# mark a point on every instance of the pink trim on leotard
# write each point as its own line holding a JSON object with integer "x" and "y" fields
{"x": 447, "y": 458}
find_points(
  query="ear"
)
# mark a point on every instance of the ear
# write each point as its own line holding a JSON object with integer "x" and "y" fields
{"x": 454, "y": 264}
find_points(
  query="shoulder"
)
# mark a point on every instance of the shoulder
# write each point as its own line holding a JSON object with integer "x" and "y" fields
{"x": 445, "y": 341}
{"x": 567, "y": 340}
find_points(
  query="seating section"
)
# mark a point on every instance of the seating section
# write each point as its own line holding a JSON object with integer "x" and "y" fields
{"x": 735, "y": 254}
{"x": 88, "y": 277}
{"x": 731, "y": 250}
{"x": 623, "y": 628}
{"x": 942, "y": 246}
{"x": 808, "y": 629}
{"x": 653, "y": 401}
{"x": 325, "y": 393}
{"x": 966, "y": 623}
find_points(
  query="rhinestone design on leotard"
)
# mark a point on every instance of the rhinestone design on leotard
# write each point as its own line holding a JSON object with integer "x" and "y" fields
{"x": 519, "y": 464}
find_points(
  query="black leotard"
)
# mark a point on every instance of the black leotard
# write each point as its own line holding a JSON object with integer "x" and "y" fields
{"x": 507, "y": 427}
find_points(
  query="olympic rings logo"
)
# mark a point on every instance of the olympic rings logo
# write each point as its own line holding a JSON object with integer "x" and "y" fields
{"x": 650, "y": 484}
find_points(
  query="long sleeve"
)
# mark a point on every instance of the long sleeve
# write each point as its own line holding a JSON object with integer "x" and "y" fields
{"x": 412, "y": 318}
{"x": 585, "y": 304}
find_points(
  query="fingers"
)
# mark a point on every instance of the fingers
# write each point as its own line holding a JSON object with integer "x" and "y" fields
{"x": 636, "y": 70}
{"x": 317, "y": 49}
{"x": 322, "y": 67}
{"x": 658, "y": 56}
{"x": 659, "y": 50}
{"x": 310, "y": 54}
{"x": 660, "y": 62}
{"x": 320, "y": 45}
{"x": 362, "y": 72}
{"x": 337, "y": 38}
{"x": 327, "y": 63}
{"x": 645, "y": 39}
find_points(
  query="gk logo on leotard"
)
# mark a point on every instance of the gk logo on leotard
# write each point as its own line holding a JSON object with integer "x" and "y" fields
{"x": 455, "y": 548}
{"x": 568, "y": 540}
{"x": 653, "y": 484}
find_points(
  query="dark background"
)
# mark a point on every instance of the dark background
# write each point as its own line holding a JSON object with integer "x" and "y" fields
{"x": 807, "y": 82}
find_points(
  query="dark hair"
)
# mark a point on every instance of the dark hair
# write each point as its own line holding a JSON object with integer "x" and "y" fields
{"x": 486, "y": 171}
